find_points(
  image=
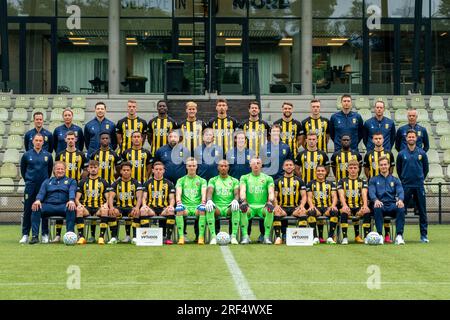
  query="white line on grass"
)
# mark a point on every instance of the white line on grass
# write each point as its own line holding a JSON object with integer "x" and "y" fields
{"x": 158, "y": 283}
{"x": 240, "y": 282}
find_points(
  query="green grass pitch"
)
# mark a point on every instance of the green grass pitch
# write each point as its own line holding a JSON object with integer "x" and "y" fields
{"x": 413, "y": 271}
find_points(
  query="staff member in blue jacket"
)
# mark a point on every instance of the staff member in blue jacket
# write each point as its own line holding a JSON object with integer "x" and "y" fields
{"x": 173, "y": 155}
{"x": 346, "y": 122}
{"x": 239, "y": 156}
{"x": 412, "y": 167}
{"x": 38, "y": 119}
{"x": 59, "y": 134}
{"x": 274, "y": 153}
{"x": 387, "y": 193}
{"x": 422, "y": 134}
{"x": 208, "y": 156}
{"x": 93, "y": 128}
{"x": 379, "y": 123}
{"x": 35, "y": 166}
{"x": 56, "y": 197}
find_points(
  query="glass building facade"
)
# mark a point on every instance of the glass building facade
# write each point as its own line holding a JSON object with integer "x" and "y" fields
{"x": 358, "y": 46}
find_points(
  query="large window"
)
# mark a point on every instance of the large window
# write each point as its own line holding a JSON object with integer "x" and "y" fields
{"x": 441, "y": 59}
{"x": 83, "y": 57}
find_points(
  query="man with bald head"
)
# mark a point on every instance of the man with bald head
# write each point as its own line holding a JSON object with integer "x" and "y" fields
{"x": 422, "y": 134}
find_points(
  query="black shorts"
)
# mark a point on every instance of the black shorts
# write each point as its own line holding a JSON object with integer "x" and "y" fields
{"x": 92, "y": 211}
{"x": 124, "y": 212}
{"x": 157, "y": 210}
{"x": 289, "y": 210}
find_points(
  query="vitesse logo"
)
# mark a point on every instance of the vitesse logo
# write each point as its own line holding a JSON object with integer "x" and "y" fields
{"x": 46, "y": 138}
{"x": 386, "y": 126}
{"x": 107, "y": 126}
{"x": 45, "y": 158}
{"x": 420, "y": 157}
{"x": 392, "y": 184}
{"x": 419, "y": 133}
{"x": 284, "y": 151}
{"x": 354, "y": 120}
{"x": 66, "y": 182}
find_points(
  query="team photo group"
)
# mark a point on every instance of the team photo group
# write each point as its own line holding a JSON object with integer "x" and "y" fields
{"x": 104, "y": 176}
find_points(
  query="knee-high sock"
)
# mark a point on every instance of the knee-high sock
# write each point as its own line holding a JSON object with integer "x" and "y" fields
{"x": 144, "y": 222}
{"x": 113, "y": 227}
{"x": 366, "y": 224}
{"x": 93, "y": 228}
{"x": 170, "y": 222}
{"x": 312, "y": 221}
{"x": 180, "y": 226}
{"x": 103, "y": 226}
{"x": 211, "y": 220}
{"x": 80, "y": 226}
{"x": 356, "y": 227}
{"x": 244, "y": 224}
{"x": 344, "y": 224}
{"x": 333, "y": 223}
{"x": 135, "y": 225}
{"x": 268, "y": 222}
{"x": 128, "y": 227}
{"x": 235, "y": 219}
{"x": 277, "y": 226}
{"x": 320, "y": 225}
{"x": 201, "y": 226}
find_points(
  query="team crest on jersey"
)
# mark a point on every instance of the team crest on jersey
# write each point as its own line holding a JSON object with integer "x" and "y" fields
{"x": 386, "y": 126}
{"x": 420, "y": 157}
{"x": 354, "y": 120}
{"x": 46, "y": 158}
{"x": 392, "y": 184}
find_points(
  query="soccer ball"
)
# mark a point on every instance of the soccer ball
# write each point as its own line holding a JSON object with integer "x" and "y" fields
{"x": 223, "y": 238}
{"x": 70, "y": 238}
{"x": 373, "y": 238}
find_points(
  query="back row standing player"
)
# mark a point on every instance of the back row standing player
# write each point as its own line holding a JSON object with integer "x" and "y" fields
{"x": 129, "y": 124}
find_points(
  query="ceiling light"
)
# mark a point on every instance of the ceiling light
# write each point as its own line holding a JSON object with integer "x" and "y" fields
{"x": 76, "y": 39}
{"x": 335, "y": 44}
{"x": 80, "y": 43}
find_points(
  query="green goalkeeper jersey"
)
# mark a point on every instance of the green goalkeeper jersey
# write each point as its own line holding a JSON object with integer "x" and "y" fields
{"x": 223, "y": 190}
{"x": 257, "y": 188}
{"x": 192, "y": 190}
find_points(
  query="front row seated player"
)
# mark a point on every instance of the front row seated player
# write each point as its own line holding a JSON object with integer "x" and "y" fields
{"x": 353, "y": 196}
{"x": 387, "y": 193}
{"x": 55, "y": 198}
{"x": 290, "y": 195}
{"x": 322, "y": 200}
{"x": 223, "y": 201}
{"x": 125, "y": 198}
{"x": 191, "y": 200}
{"x": 257, "y": 194}
{"x": 91, "y": 200}
{"x": 158, "y": 199}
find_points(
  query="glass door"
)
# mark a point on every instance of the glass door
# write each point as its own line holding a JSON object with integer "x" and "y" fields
{"x": 391, "y": 58}
{"x": 189, "y": 42}
{"x": 32, "y": 47}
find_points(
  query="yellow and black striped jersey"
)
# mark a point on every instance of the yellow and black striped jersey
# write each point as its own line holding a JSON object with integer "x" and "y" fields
{"x": 192, "y": 133}
{"x": 140, "y": 159}
{"x": 108, "y": 160}
{"x": 223, "y": 132}
{"x": 290, "y": 131}
{"x": 158, "y": 132}
{"x": 371, "y": 161}
{"x": 353, "y": 191}
{"x": 257, "y": 133}
{"x": 321, "y": 127}
{"x": 126, "y": 192}
{"x": 339, "y": 162}
{"x": 75, "y": 163}
{"x": 322, "y": 193}
{"x": 93, "y": 192}
{"x": 288, "y": 191}
{"x": 308, "y": 162}
{"x": 126, "y": 127}
{"x": 158, "y": 192}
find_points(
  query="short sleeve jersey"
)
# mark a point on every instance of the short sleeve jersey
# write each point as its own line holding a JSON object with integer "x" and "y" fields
{"x": 257, "y": 188}
{"x": 192, "y": 190}
{"x": 223, "y": 189}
